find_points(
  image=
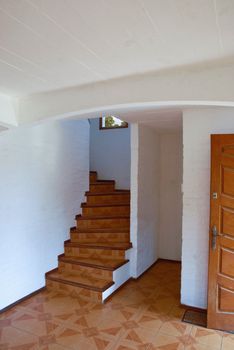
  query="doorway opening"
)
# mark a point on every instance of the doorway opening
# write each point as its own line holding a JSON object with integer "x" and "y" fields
{"x": 156, "y": 189}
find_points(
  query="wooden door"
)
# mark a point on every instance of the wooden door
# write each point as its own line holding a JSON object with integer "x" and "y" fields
{"x": 221, "y": 249}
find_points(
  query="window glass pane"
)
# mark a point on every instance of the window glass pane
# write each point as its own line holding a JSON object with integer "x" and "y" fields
{"x": 113, "y": 122}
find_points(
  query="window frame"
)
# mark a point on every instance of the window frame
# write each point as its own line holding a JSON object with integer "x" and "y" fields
{"x": 110, "y": 127}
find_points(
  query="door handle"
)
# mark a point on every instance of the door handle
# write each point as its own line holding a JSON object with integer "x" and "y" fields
{"x": 214, "y": 236}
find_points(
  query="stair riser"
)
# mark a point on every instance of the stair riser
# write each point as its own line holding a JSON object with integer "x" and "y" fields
{"x": 92, "y": 177}
{"x": 103, "y": 223}
{"x": 109, "y": 199}
{"x": 106, "y": 211}
{"x": 101, "y": 188}
{"x": 73, "y": 291}
{"x": 90, "y": 252}
{"x": 99, "y": 237}
{"x": 97, "y": 273}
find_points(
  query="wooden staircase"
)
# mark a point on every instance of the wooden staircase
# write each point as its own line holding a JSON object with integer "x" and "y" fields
{"x": 94, "y": 263}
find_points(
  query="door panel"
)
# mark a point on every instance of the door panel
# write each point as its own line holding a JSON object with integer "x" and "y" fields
{"x": 227, "y": 221}
{"x": 221, "y": 249}
{"x": 225, "y": 268}
{"x": 227, "y": 181}
{"x": 226, "y": 300}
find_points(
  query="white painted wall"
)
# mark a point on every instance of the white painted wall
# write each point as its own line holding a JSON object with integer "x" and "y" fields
{"x": 145, "y": 220}
{"x": 110, "y": 154}
{"x": 7, "y": 111}
{"x": 43, "y": 177}
{"x": 197, "y": 127}
{"x": 201, "y": 84}
{"x": 171, "y": 165}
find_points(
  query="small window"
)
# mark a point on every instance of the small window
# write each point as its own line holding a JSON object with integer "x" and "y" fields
{"x": 112, "y": 122}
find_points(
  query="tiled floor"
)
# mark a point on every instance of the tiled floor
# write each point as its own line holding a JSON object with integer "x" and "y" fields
{"x": 144, "y": 315}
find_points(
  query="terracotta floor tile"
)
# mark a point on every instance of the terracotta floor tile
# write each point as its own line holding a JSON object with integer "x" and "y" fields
{"x": 198, "y": 347}
{"x": 166, "y": 342}
{"x": 136, "y": 338}
{"x": 206, "y": 337}
{"x": 175, "y": 328}
{"x": 51, "y": 347}
{"x": 177, "y": 312}
{"x": 149, "y": 320}
{"x": 11, "y": 338}
{"x": 111, "y": 329}
{"x": 228, "y": 342}
{"x": 144, "y": 315}
{"x": 41, "y": 324}
{"x": 90, "y": 339}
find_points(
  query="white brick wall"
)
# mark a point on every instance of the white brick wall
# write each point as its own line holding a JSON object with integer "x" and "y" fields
{"x": 145, "y": 197}
{"x": 197, "y": 127}
{"x": 43, "y": 177}
{"x": 171, "y": 168}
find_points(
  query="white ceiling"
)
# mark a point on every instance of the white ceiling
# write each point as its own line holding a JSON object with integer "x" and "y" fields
{"x": 164, "y": 121}
{"x": 53, "y": 44}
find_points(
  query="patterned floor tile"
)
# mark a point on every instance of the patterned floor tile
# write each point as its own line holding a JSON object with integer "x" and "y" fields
{"x": 12, "y": 338}
{"x": 228, "y": 342}
{"x": 89, "y": 338}
{"x": 41, "y": 324}
{"x": 206, "y": 337}
{"x": 175, "y": 328}
{"x": 166, "y": 342}
{"x": 135, "y": 338}
{"x": 198, "y": 347}
{"x": 149, "y": 320}
{"x": 144, "y": 315}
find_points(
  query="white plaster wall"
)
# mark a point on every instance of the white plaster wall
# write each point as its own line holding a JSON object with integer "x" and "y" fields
{"x": 197, "y": 127}
{"x": 171, "y": 164}
{"x": 110, "y": 154}
{"x": 147, "y": 198}
{"x": 43, "y": 177}
{"x": 7, "y": 111}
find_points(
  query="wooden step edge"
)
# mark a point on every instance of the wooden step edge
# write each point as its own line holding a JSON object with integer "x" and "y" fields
{"x": 100, "y": 230}
{"x": 92, "y": 245}
{"x": 122, "y": 190}
{"x": 103, "y": 182}
{"x": 94, "y": 217}
{"x": 114, "y": 193}
{"x": 49, "y": 276}
{"x": 68, "y": 260}
{"x": 104, "y": 205}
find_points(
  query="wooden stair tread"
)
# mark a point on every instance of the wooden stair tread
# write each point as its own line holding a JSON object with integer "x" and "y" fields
{"x": 100, "y": 245}
{"x": 103, "y": 182}
{"x": 80, "y": 280}
{"x": 100, "y": 230}
{"x": 113, "y": 193}
{"x": 104, "y": 264}
{"x": 99, "y": 217}
{"x": 89, "y": 205}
